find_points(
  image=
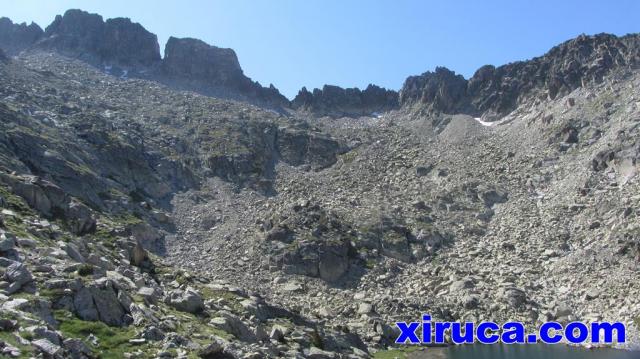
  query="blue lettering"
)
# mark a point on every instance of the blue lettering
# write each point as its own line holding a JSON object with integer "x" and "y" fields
{"x": 407, "y": 332}
{"x": 441, "y": 327}
{"x": 426, "y": 328}
{"x": 544, "y": 333}
{"x": 608, "y": 329}
{"x": 462, "y": 338}
{"x": 512, "y": 332}
{"x": 483, "y": 328}
{"x": 571, "y": 329}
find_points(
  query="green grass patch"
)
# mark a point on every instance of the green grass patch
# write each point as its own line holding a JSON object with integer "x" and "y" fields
{"x": 113, "y": 342}
{"x": 15, "y": 202}
{"x": 16, "y": 226}
{"x": 26, "y": 351}
{"x": 128, "y": 219}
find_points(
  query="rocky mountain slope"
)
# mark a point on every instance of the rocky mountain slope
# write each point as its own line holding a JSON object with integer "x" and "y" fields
{"x": 144, "y": 221}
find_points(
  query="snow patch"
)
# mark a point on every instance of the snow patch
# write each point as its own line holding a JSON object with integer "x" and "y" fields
{"x": 484, "y": 123}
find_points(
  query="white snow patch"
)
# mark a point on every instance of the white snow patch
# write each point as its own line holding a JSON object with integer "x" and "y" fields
{"x": 484, "y": 123}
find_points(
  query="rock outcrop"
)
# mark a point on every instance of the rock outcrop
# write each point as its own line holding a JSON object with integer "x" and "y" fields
{"x": 337, "y": 101}
{"x": 51, "y": 201}
{"x": 17, "y": 37}
{"x": 496, "y": 91}
{"x": 317, "y": 242}
{"x": 193, "y": 64}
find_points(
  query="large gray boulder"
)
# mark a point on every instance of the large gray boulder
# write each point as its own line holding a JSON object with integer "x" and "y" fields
{"x": 17, "y": 274}
{"x": 49, "y": 349}
{"x": 188, "y": 300}
{"x": 99, "y": 301}
{"x": 80, "y": 218}
{"x": 232, "y": 324}
{"x": 147, "y": 237}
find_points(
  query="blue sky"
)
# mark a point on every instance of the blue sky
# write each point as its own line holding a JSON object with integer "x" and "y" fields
{"x": 353, "y": 43}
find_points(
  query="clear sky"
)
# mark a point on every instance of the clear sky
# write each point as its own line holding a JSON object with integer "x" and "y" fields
{"x": 295, "y": 43}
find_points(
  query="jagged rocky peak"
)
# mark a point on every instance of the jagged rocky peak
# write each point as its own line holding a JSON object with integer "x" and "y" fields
{"x": 16, "y": 37}
{"x": 442, "y": 90}
{"x": 496, "y": 91}
{"x": 572, "y": 64}
{"x": 86, "y": 36}
{"x": 337, "y": 101}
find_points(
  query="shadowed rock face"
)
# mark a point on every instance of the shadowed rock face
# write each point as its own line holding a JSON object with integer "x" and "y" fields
{"x": 195, "y": 59}
{"x": 337, "y": 101}
{"x": 129, "y": 44}
{"x": 16, "y": 37}
{"x": 499, "y": 90}
{"x": 114, "y": 42}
